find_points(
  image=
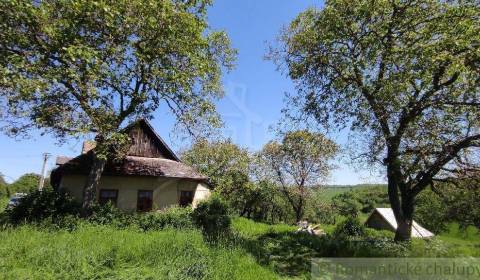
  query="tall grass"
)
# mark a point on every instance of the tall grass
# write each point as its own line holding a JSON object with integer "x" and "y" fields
{"x": 255, "y": 251}
{"x": 250, "y": 229}
{"x": 3, "y": 203}
{"x": 101, "y": 252}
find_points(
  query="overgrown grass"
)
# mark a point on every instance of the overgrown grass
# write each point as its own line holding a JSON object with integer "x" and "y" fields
{"x": 102, "y": 252}
{"x": 3, "y": 203}
{"x": 250, "y": 229}
{"x": 465, "y": 242}
{"x": 255, "y": 251}
{"x": 287, "y": 253}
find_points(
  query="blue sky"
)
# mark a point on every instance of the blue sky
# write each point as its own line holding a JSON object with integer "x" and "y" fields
{"x": 254, "y": 91}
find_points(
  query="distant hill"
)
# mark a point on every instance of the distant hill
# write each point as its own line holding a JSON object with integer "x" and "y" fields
{"x": 329, "y": 191}
{"x": 355, "y": 186}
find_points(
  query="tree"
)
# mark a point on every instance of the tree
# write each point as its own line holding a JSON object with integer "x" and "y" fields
{"x": 225, "y": 164}
{"x": 76, "y": 67}
{"x": 346, "y": 204}
{"x": 300, "y": 160}
{"x": 26, "y": 183}
{"x": 3, "y": 187}
{"x": 401, "y": 76}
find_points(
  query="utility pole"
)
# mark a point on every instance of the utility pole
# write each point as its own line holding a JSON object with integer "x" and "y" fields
{"x": 42, "y": 176}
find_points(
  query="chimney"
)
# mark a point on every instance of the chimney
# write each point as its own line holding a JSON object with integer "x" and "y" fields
{"x": 88, "y": 146}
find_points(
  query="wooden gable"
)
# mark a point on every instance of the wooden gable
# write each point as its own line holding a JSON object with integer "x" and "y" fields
{"x": 147, "y": 143}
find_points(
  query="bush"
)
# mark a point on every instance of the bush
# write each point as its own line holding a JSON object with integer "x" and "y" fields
{"x": 212, "y": 217}
{"x": 346, "y": 204}
{"x": 27, "y": 183}
{"x": 431, "y": 212}
{"x": 40, "y": 205}
{"x": 173, "y": 217}
{"x": 351, "y": 227}
{"x": 363, "y": 199}
{"x": 108, "y": 214}
{"x": 379, "y": 234}
{"x": 322, "y": 213}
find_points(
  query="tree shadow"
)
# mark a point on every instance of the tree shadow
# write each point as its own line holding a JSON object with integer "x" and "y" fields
{"x": 287, "y": 253}
{"x": 291, "y": 253}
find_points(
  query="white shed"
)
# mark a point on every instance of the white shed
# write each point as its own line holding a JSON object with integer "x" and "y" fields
{"x": 383, "y": 218}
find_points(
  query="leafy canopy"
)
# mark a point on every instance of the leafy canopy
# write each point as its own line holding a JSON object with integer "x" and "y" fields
{"x": 74, "y": 67}
{"x": 26, "y": 183}
{"x": 302, "y": 159}
{"x": 402, "y": 75}
{"x": 226, "y": 164}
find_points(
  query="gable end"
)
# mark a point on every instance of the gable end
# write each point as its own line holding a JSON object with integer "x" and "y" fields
{"x": 147, "y": 143}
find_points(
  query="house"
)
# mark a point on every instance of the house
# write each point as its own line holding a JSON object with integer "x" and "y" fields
{"x": 383, "y": 218}
{"x": 150, "y": 177}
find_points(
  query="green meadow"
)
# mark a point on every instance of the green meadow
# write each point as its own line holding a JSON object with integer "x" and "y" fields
{"x": 254, "y": 251}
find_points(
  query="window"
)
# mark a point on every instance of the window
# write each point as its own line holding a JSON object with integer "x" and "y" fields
{"x": 108, "y": 196}
{"x": 186, "y": 198}
{"x": 144, "y": 201}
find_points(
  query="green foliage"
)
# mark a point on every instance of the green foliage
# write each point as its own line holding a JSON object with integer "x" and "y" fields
{"x": 255, "y": 251}
{"x": 212, "y": 217}
{"x": 4, "y": 192}
{"x": 41, "y": 205}
{"x": 351, "y": 227}
{"x": 320, "y": 212}
{"x": 94, "y": 64}
{"x": 227, "y": 166}
{"x": 452, "y": 202}
{"x": 223, "y": 162}
{"x": 108, "y": 214}
{"x": 289, "y": 253}
{"x": 399, "y": 75}
{"x": 27, "y": 183}
{"x": 101, "y": 252}
{"x": 301, "y": 160}
{"x": 346, "y": 204}
{"x": 462, "y": 198}
{"x": 362, "y": 199}
{"x": 173, "y": 217}
{"x": 431, "y": 212}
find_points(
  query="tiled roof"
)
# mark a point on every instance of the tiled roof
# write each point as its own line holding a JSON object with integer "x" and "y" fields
{"x": 131, "y": 165}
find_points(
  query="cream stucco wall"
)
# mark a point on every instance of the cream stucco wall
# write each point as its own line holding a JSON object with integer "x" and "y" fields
{"x": 166, "y": 191}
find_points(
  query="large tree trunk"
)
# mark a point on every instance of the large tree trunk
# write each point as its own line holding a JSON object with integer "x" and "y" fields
{"x": 90, "y": 188}
{"x": 404, "y": 225}
{"x": 402, "y": 208}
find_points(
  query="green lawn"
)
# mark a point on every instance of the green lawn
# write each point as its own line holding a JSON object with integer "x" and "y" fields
{"x": 256, "y": 251}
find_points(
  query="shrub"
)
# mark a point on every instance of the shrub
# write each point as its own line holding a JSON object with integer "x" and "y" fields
{"x": 379, "y": 234}
{"x": 431, "y": 212}
{"x": 173, "y": 217}
{"x": 363, "y": 199}
{"x": 346, "y": 204}
{"x": 351, "y": 227}
{"x": 68, "y": 222}
{"x": 322, "y": 213}
{"x": 40, "y": 205}
{"x": 212, "y": 217}
{"x": 108, "y": 214}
